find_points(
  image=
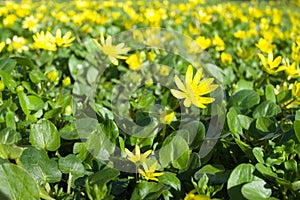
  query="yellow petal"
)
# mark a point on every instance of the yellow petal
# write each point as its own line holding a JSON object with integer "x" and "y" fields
{"x": 189, "y": 75}
{"x": 276, "y": 62}
{"x": 205, "y": 87}
{"x": 178, "y": 94}
{"x": 198, "y": 76}
{"x": 179, "y": 83}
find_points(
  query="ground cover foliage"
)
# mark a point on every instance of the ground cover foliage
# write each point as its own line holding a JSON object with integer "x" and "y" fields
{"x": 149, "y": 100}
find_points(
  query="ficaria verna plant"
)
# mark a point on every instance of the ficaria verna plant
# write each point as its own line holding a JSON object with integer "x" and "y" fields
{"x": 191, "y": 100}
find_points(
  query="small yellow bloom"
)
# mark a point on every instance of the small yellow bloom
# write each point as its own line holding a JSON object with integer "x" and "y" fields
{"x": 167, "y": 117}
{"x": 113, "y": 52}
{"x": 9, "y": 20}
{"x": 193, "y": 90}
{"x": 44, "y": 41}
{"x": 219, "y": 43}
{"x": 270, "y": 65}
{"x": 66, "y": 81}
{"x": 151, "y": 56}
{"x": 137, "y": 158}
{"x": 226, "y": 58}
{"x": 240, "y": 34}
{"x": 149, "y": 173}
{"x": 2, "y": 45}
{"x": 264, "y": 45}
{"x": 30, "y": 23}
{"x": 17, "y": 43}
{"x": 296, "y": 91}
{"x": 64, "y": 41}
{"x": 296, "y": 51}
{"x": 203, "y": 42}
{"x": 134, "y": 61}
{"x": 192, "y": 196}
{"x": 164, "y": 70}
{"x": 291, "y": 69}
{"x": 52, "y": 76}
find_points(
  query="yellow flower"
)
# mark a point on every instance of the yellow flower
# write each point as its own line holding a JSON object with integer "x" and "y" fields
{"x": 296, "y": 91}
{"x": 44, "y": 41}
{"x": 2, "y": 45}
{"x": 292, "y": 70}
{"x": 296, "y": 51}
{"x": 240, "y": 34}
{"x": 151, "y": 56}
{"x": 149, "y": 173}
{"x": 113, "y": 52}
{"x": 192, "y": 196}
{"x": 9, "y": 20}
{"x": 296, "y": 96}
{"x": 137, "y": 158}
{"x": 264, "y": 45}
{"x": 52, "y": 76}
{"x": 66, "y": 81}
{"x": 226, "y": 58}
{"x": 30, "y": 23}
{"x": 17, "y": 43}
{"x": 219, "y": 43}
{"x": 167, "y": 117}
{"x": 203, "y": 42}
{"x": 64, "y": 41}
{"x": 164, "y": 70}
{"x": 193, "y": 89}
{"x": 270, "y": 65}
{"x": 134, "y": 62}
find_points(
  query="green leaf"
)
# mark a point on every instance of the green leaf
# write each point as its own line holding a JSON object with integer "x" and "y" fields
{"x": 266, "y": 171}
{"x": 244, "y": 99}
{"x": 25, "y": 61}
{"x": 71, "y": 164}
{"x": 44, "y": 135}
{"x": 16, "y": 183}
{"x": 7, "y": 65}
{"x": 102, "y": 141}
{"x": 258, "y": 153}
{"x": 53, "y": 113}
{"x": 245, "y": 121}
{"x": 172, "y": 150}
{"x": 37, "y": 76}
{"x": 242, "y": 174}
{"x": 256, "y": 190}
{"x": 209, "y": 169}
{"x": 194, "y": 133}
{"x": 24, "y": 101}
{"x": 170, "y": 179}
{"x": 266, "y": 125}
{"x": 297, "y": 125}
{"x": 40, "y": 167}
{"x": 284, "y": 96}
{"x": 8, "y": 81}
{"x": 244, "y": 85}
{"x": 75, "y": 66}
{"x": 270, "y": 95}
{"x": 9, "y": 136}
{"x": 69, "y": 133}
{"x": 10, "y": 120}
{"x": 233, "y": 122}
{"x": 35, "y": 103}
{"x": 266, "y": 109}
{"x": 104, "y": 176}
{"x": 148, "y": 191}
